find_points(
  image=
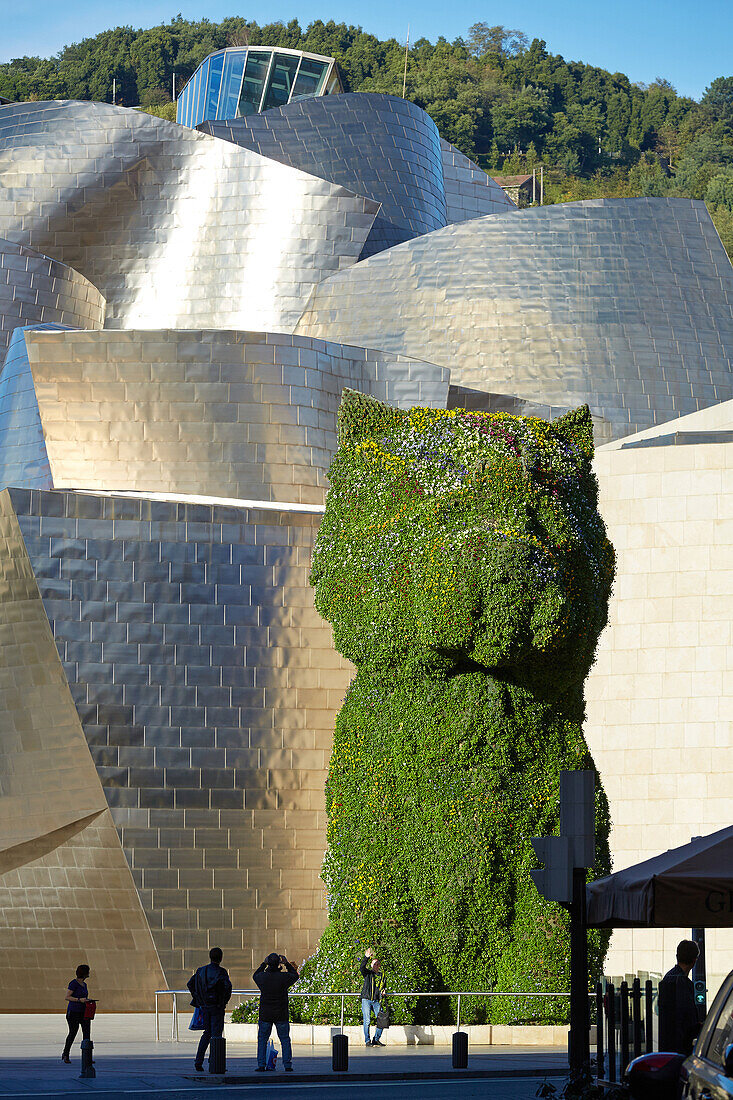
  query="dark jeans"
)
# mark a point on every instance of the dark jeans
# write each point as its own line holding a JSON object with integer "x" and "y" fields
{"x": 213, "y": 1028}
{"x": 283, "y": 1033}
{"x": 74, "y": 1022}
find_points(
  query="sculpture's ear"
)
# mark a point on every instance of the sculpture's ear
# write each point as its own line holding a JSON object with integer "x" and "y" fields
{"x": 577, "y": 426}
{"x": 363, "y": 417}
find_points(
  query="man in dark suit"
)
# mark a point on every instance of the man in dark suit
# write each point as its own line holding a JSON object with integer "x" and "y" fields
{"x": 678, "y": 1018}
{"x": 210, "y": 991}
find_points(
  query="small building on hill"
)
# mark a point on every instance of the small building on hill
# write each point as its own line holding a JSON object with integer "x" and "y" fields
{"x": 518, "y": 188}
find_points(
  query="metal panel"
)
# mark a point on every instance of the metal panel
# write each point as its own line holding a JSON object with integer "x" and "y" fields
{"x": 175, "y": 228}
{"x": 377, "y": 145}
{"x": 77, "y": 903}
{"x": 245, "y": 415}
{"x": 207, "y": 687}
{"x": 23, "y": 454}
{"x": 469, "y": 191}
{"x": 36, "y": 289}
{"x": 49, "y": 786}
{"x": 626, "y": 304}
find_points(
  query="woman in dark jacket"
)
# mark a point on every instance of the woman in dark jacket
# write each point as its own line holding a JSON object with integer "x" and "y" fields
{"x": 77, "y": 996}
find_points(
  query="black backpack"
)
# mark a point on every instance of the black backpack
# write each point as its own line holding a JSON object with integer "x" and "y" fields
{"x": 207, "y": 993}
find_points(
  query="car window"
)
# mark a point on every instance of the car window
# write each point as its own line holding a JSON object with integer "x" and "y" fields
{"x": 722, "y": 1035}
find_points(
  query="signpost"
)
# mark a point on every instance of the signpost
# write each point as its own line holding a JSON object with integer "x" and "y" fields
{"x": 566, "y": 858}
{"x": 699, "y": 976}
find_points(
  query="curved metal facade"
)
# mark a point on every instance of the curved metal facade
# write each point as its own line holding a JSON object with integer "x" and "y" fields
{"x": 469, "y": 191}
{"x": 35, "y": 289}
{"x": 23, "y": 454}
{"x": 246, "y": 415}
{"x": 66, "y": 891}
{"x": 175, "y": 228}
{"x": 377, "y": 145}
{"x": 206, "y": 686}
{"x": 626, "y": 304}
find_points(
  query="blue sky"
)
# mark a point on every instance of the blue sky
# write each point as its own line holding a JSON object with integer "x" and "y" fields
{"x": 688, "y": 43}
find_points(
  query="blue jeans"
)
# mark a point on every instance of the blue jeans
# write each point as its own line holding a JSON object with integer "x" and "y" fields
{"x": 367, "y": 1007}
{"x": 283, "y": 1033}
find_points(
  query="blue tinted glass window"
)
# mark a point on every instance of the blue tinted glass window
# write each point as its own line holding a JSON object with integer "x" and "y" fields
{"x": 232, "y": 81}
{"x": 212, "y": 98}
{"x": 281, "y": 80}
{"x": 182, "y": 107}
{"x": 201, "y": 85}
{"x": 195, "y": 97}
{"x": 310, "y": 78}
{"x": 191, "y": 110}
{"x": 254, "y": 82}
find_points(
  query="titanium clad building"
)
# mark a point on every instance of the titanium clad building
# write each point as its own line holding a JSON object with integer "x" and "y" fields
{"x": 174, "y": 228}
{"x": 235, "y": 415}
{"x": 180, "y": 312}
{"x": 243, "y": 80}
{"x": 376, "y": 145}
{"x": 35, "y": 289}
{"x": 622, "y": 304}
{"x": 351, "y": 140}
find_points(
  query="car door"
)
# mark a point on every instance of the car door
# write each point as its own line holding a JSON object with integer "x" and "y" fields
{"x": 704, "y": 1070}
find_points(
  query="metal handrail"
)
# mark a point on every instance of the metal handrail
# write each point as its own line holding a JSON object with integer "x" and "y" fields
{"x": 395, "y": 993}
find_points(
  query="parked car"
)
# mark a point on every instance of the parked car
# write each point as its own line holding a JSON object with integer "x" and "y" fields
{"x": 706, "y": 1075}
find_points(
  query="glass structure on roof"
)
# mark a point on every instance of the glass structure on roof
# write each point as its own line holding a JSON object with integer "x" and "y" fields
{"x": 245, "y": 80}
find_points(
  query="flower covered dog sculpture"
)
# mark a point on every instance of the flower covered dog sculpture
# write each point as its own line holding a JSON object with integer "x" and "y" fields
{"x": 466, "y": 572}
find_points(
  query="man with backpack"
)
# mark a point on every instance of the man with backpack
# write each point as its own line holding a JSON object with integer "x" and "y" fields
{"x": 210, "y": 990}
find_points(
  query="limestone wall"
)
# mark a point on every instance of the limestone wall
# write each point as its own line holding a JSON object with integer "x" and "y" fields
{"x": 660, "y": 697}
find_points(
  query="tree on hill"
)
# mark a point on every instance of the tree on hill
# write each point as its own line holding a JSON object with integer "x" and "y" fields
{"x": 497, "y": 96}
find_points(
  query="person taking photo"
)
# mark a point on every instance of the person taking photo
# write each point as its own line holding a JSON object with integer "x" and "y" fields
{"x": 371, "y": 994}
{"x": 273, "y": 978}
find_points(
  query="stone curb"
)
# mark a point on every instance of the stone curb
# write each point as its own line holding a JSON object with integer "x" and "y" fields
{"x": 388, "y": 1075}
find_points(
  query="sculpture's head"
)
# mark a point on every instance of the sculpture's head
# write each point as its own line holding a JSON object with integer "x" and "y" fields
{"x": 460, "y": 539}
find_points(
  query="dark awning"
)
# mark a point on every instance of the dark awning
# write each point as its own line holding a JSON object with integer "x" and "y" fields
{"x": 686, "y": 887}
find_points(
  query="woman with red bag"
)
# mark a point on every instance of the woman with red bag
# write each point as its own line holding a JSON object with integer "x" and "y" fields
{"x": 79, "y": 1009}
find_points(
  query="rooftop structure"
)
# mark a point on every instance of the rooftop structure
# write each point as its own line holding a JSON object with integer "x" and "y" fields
{"x": 244, "y": 80}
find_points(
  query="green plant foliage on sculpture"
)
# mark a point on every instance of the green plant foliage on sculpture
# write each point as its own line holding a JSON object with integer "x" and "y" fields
{"x": 466, "y": 572}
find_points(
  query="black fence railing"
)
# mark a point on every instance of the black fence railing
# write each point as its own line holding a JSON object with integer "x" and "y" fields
{"x": 624, "y": 1026}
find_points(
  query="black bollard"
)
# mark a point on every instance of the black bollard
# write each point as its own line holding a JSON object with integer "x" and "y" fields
{"x": 87, "y": 1069}
{"x": 460, "y": 1050}
{"x": 340, "y": 1054}
{"x": 636, "y": 1024}
{"x": 599, "y": 1031}
{"x": 648, "y": 1017}
{"x": 624, "y": 1028}
{"x": 611, "y": 1017}
{"x": 218, "y": 1055}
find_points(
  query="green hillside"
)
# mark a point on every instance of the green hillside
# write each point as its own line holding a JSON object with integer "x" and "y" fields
{"x": 500, "y": 98}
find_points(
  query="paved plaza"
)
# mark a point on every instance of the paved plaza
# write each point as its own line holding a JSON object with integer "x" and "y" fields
{"x": 128, "y": 1060}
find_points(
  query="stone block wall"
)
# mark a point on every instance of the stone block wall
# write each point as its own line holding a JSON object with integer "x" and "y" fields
{"x": 660, "y": 698}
